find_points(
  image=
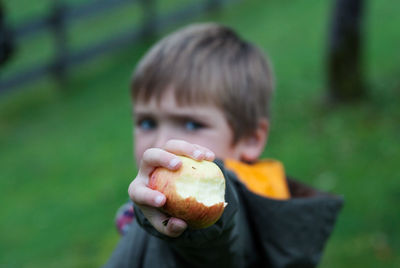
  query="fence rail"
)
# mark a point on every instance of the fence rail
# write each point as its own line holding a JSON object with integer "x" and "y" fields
{"x": 57, "y": 22}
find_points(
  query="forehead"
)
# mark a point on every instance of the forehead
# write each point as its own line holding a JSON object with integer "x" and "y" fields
{"x": 172, "y": 99}
{"x": 181, "y": 95}
{"x": 170, "y": 102}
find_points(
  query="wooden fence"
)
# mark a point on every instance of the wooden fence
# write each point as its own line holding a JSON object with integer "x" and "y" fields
{"x": 59, "y": 17}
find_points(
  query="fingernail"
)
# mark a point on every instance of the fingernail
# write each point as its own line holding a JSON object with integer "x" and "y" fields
{"x": 159, "y": 200}
{"x": 174, "y": 162}
{"x": 209, "y": 155}
{"x": 176, "y": 229}
{"x": 196, "y": 154}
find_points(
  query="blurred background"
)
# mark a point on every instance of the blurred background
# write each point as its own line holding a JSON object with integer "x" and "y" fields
{"x": 66, "y": 132}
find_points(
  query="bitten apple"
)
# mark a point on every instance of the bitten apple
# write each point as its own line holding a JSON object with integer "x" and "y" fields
{"x": 195, "y": 192}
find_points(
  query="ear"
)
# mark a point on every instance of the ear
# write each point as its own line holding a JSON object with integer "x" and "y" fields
{"x": 251, "y": 147}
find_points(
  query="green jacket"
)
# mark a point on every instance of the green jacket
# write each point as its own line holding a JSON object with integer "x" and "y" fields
{"x": 253, "y": 231}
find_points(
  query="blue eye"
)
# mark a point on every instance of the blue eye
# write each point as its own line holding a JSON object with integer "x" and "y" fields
{"x": 192, "y": 125}
{"x": 147, "y": 124}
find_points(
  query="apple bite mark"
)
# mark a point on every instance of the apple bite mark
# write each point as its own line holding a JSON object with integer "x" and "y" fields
{"x": 195, "y": 192}
{"x": 206, "y": 188}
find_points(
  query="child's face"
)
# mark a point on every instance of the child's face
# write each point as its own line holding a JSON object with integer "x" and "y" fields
{"x": 205, "y": 125}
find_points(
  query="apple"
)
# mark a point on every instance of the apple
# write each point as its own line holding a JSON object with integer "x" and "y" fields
{"x": 194, "y": 193}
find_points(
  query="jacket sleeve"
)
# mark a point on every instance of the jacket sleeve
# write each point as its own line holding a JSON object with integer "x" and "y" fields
{"x": 214, "y": 246}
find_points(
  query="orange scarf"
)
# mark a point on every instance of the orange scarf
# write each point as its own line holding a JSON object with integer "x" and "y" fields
{"x": 266, "y": 178}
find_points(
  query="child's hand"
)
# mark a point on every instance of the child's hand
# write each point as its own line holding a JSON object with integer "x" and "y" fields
{"x": 148, "y": 200}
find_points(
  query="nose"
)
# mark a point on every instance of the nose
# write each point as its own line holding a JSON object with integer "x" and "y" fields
{"x": 161, "y": 138}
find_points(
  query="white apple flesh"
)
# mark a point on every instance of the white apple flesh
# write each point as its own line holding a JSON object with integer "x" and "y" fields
{"x": 195, "y": 192}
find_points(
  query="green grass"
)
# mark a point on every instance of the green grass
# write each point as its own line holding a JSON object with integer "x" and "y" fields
{"x": 66, "y": 153}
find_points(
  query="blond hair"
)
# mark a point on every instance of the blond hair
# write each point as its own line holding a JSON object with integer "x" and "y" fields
{"x": 209, "y": 63}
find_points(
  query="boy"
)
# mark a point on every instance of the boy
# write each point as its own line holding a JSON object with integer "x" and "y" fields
{"x": 203, "y": 92}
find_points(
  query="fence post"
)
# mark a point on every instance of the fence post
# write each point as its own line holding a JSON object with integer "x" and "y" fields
{"x": 57, "y": 25}
{"x": 150, "y": 20}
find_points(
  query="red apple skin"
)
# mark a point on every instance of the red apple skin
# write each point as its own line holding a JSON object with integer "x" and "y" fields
{"x": 195, "y": 214}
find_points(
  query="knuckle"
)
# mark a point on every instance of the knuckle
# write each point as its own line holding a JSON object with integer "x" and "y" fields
{"x": 147, "y": 154}
{"x": 150, "y": 155}
{"x": 132, "y": 194}
{"x": 135, "y": 192}
{"x": 171, "y": 143}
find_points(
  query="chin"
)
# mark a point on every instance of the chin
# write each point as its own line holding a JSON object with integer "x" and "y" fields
{"x": 195, "y": 193}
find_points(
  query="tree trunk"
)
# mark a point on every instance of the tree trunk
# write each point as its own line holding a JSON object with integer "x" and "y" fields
{"x": 6, "y": 43}
{"x": 345, "y": 74}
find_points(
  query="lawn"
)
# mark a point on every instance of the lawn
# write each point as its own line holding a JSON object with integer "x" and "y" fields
{"x": 66, "y": 153}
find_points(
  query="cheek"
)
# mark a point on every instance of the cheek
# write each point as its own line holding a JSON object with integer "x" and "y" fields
{"x": 220, "y": 146}
{"x": 138, "y": 154}
{"x": 140, "y": 145}
{"x": 223, "y": 151}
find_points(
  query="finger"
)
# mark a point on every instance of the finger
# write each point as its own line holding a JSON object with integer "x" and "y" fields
{"x": 175, "y": 227}
{"x": 164, "y": 224}
{"x": 208, "y": 154}
{"x": 141, "y": 194}
{"x": 155, "y": 157}
{"x": 185, "y": 148}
